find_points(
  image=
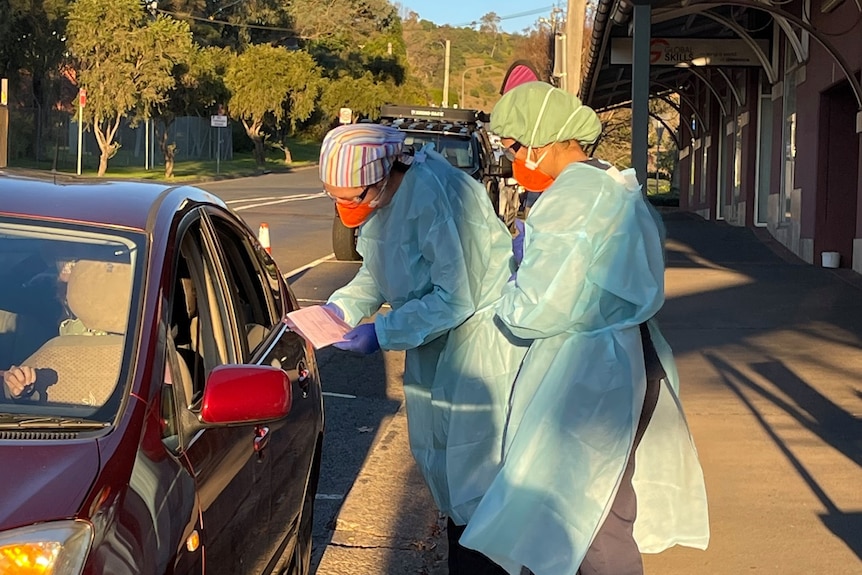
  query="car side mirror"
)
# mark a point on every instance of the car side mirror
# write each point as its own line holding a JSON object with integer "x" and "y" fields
{"x": 237, "y": 394}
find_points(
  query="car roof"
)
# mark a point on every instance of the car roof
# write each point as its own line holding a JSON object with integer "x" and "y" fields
{"x": 127, "y": 204}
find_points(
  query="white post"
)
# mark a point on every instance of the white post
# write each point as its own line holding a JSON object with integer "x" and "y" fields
{"x": 146, "y": 143}
{"x": 80, "y": 131}
{"x": 446, "y": 78}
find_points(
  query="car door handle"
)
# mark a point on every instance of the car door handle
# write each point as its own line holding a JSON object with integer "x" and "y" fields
{"x": 261, "y": 438}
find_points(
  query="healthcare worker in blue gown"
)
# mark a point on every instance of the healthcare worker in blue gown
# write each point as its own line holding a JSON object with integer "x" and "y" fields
{"x": 599, "y": 463}
{"x": 434, "y": 249}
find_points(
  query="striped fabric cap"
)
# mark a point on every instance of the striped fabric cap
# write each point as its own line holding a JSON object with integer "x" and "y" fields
{"x": 358, "y": 155}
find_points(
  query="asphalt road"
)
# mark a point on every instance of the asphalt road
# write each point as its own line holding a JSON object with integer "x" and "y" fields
{"x": 359, "y": 392}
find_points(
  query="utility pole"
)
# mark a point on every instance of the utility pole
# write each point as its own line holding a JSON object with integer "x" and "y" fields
{"x": 574, "y": 43}
{"x": 82, "y": 101}
{"x": 4, "y": 122}
{"x": 446, "y": 77}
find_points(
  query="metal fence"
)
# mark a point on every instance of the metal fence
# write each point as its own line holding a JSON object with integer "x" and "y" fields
{"x": 52, "y": 137}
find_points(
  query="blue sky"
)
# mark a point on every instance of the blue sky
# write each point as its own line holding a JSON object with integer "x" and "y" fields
{"x": 515, "y": 14}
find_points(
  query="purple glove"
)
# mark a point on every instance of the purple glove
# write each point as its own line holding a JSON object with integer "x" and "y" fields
{"x": 334, "y": 310}
{"x": 361, "y": 339}
{"x": 518, "y": 242}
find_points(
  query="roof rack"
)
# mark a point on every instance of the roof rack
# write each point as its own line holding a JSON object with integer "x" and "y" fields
{"x": 431, "y": 113}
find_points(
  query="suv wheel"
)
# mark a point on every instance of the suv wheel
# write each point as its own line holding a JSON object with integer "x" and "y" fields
{"x": 344, "y": 242}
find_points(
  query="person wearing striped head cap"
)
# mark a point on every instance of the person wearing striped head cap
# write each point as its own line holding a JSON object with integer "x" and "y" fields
{"x": 599, "y": 383}
{"x": 435, "y": 250}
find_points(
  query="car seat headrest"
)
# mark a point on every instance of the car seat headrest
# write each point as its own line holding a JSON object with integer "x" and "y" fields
{"x": 99, "y": 294}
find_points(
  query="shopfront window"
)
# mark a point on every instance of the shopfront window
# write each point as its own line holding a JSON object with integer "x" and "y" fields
{"x": 789, "y": 143}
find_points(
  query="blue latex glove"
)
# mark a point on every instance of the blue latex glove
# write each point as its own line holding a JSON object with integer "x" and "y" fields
{"x": 361, "y": 339}
{"x": 334, "y": 310}
{"x": 518, "y": 242}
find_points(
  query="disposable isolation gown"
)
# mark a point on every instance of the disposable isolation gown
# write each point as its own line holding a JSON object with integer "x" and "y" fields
{"x": 440, "y": 256}
{"x": 592, "y": 272}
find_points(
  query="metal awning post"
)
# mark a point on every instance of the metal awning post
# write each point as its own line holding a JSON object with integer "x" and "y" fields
{"x": 640, "y": 87}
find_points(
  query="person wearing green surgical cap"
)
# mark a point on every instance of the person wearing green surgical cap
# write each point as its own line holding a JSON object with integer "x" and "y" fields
{"x": 434, "y": 249}
{"x": 598, "y": 387}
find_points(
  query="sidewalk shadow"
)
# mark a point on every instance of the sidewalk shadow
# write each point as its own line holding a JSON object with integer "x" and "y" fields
{"x": 815, "y": 413}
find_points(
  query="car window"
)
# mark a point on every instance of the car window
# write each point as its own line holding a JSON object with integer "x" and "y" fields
{"x": 197, "y": 320}
{"x": 458, "y": 150}
{"x": 250, "y": 295}
{"x": 69, "y": 297}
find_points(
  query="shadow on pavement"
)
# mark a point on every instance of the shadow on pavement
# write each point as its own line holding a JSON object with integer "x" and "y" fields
{"x": 814, "y": 412}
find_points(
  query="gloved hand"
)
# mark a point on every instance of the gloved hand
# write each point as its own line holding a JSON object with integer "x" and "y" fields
{"x": 334, "y": 310}
{"x": 361, "y": 339}
{"x": 518, "y": 242}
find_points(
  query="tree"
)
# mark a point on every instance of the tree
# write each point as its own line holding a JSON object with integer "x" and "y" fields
{"x": 490, "y": 23}
{"x": 362, "y": 95}
{"x": 271, "y": 86}
{"x": 125, "y": 62}
{"x": 198, "y": 91}
{"x": 348, "y": 21}
{"x": 31, "y": 54}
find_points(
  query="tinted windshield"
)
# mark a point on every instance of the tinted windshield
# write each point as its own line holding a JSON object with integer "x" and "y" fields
{"x": 65, "y": 300}
{"x": 459, "y": 151}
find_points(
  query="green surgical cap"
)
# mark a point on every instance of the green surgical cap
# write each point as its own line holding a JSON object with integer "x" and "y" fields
{"x": 537, "y": 114}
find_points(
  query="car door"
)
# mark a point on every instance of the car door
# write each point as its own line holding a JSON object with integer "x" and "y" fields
{"x": 231, "y": 480}
{"x": 259, "y": 299}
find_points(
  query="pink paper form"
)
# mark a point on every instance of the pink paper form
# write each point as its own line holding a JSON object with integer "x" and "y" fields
{"x": 317, "y": 325}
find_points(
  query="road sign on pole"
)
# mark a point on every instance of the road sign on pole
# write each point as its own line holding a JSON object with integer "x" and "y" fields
{"x": 218, "y": 122}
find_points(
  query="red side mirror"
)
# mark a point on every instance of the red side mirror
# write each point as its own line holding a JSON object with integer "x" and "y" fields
{"x": 245, "y": 393}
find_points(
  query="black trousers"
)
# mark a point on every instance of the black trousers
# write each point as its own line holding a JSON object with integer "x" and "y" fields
{"x": 464, "y": 561}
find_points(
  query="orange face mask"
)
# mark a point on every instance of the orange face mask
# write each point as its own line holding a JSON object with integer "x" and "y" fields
{"x": 354, "y": 216}
{"x": 534, "y": 180}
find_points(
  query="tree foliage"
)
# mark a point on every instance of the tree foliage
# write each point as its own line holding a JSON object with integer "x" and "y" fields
{"x": 270, "y": 87}
{"x": 125, "y": 62}
{"x": 32, "y": 52}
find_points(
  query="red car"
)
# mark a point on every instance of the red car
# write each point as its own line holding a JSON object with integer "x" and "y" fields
{"x": 156, "y": 414}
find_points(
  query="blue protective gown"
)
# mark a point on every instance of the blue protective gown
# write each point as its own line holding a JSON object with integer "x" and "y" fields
{"x": 440, "y": 256}
{"x": 592, "y": 271}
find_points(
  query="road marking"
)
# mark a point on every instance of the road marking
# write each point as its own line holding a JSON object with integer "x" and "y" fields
{"x": 308, "y": 266}
{"x": 329, "y": 497}
{"x": 342, "y": 395}
{"x": 273, "y": 200}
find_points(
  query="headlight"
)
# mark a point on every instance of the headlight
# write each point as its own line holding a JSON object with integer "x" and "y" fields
{"x": 55, "y": 548}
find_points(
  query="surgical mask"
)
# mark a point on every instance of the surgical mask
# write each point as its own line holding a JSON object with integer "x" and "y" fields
{"x": 354, "y": 216}
{"x": 532, "y": 178}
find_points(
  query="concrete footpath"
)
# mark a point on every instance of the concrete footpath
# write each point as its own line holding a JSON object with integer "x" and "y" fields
{"x": 769, "y": 351}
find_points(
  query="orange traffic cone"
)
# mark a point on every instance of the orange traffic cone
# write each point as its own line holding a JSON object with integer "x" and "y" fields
{"x": 263, "y": 237}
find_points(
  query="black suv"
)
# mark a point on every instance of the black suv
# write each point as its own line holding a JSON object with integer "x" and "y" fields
{"x": 460, "y": 137}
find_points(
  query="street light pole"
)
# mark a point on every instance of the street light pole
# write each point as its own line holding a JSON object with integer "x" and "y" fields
{"x": 446, "y": 78}
{"x": 463, "y": 74}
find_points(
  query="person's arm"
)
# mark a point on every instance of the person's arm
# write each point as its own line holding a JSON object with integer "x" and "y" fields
{"x": 358, "y": 299}
{"x": 448, "y": 304}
